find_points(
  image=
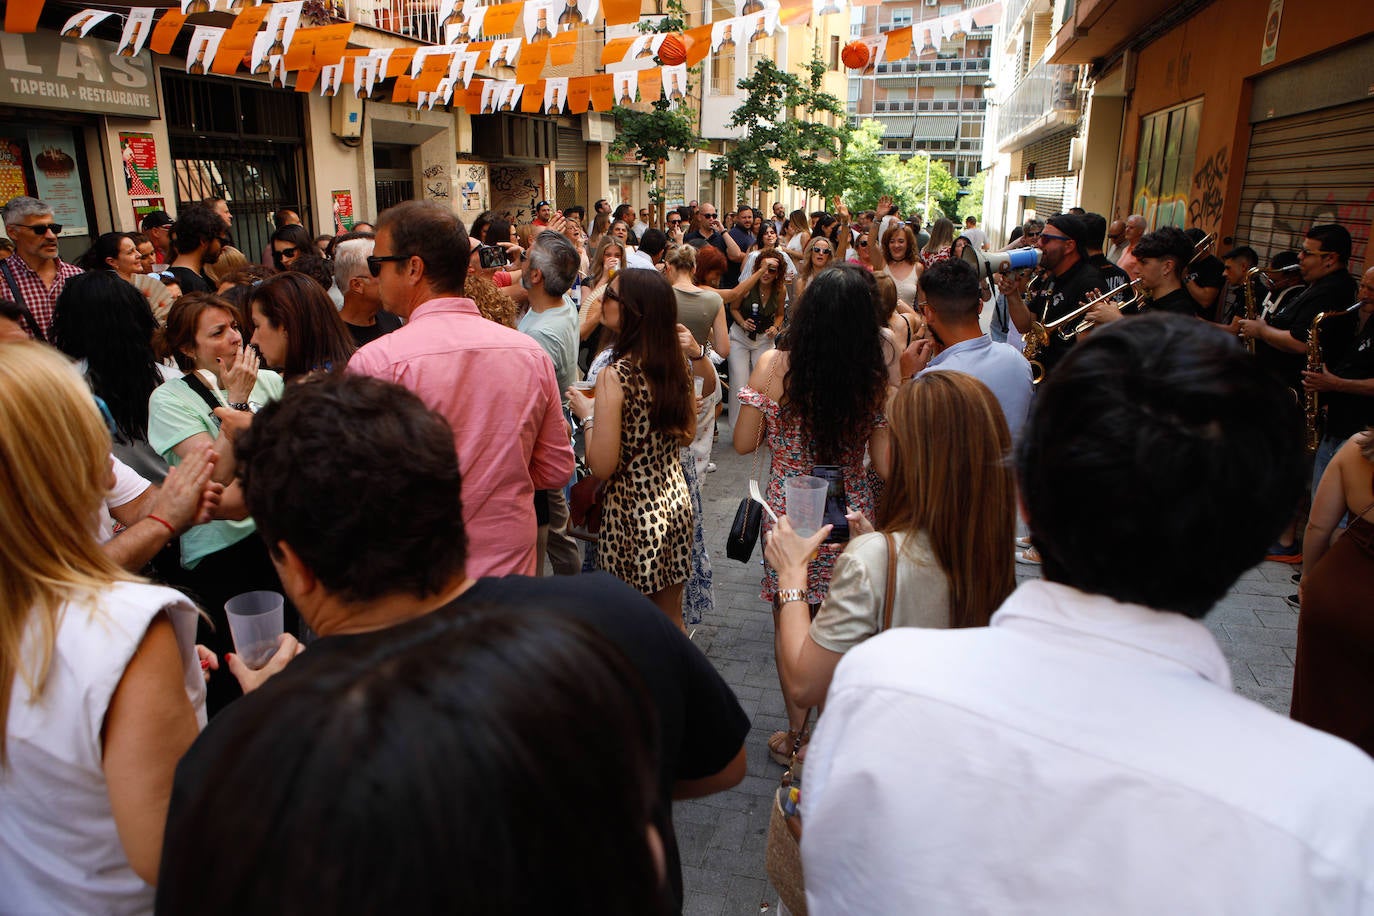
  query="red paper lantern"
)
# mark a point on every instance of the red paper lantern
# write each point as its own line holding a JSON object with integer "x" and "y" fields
{"x": 855, "y": 55}
{"x": 673, "y": 51}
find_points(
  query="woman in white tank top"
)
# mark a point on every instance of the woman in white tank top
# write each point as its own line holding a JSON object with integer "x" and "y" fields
{"x": 100, "y": 690}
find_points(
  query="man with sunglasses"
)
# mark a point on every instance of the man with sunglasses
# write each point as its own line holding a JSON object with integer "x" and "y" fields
{"x": 34, "y": 276}
{"x": 494, "y": 385}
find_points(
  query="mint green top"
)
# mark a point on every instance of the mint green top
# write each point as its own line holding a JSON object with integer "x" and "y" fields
{"x": 175, "y": 414}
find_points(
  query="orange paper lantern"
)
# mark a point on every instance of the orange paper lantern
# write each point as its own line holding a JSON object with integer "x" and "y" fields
{"x": 855, "y": 55}
{"x": 672, "y": 52}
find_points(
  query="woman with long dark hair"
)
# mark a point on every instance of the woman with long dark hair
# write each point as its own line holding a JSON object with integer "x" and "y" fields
{"x": 818, "y": 404}
{"x": 106, "y": 325}
{"x": 113, "y": 251}
{"x": 296, "y": 327}
{"x": 641, "y": 418}
{"x": 949, "y": 511}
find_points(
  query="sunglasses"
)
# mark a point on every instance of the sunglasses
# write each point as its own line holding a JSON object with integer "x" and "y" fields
{"x": 43, "y": 228}
{"x": 284, "y": 253}
{"x": 825, "y": 251}
{"x": 863, "y": 243}
{"x": 375, "y": 262}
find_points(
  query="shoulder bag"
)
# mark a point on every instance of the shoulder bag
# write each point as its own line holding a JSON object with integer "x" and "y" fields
{"x": 783, "y": 853}
{"x": 744, "y": 530}
{"x": 29, "y": 319}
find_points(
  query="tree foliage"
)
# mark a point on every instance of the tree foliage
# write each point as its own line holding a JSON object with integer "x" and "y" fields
{"x": 971, "y": 204}
{"x": 868, "y": 174}
{"x": 784, "y": 131}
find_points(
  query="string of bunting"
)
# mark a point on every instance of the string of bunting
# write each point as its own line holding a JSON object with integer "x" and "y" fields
{"x": 270, "y": 40}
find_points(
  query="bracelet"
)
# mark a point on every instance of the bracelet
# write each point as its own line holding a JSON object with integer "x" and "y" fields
{"x": 164, "y": 522}
{"x": 586, "y": 422}
{"x": 240, "y": 405}
{"x": 697, "y": 359}
{"x": 789, "y": 595}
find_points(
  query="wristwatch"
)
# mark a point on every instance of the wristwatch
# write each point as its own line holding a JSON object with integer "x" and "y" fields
{"x": 788, "y": 595}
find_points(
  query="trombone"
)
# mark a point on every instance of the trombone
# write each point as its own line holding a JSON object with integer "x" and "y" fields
{"x": 1200, "y": 249}
{"x": 1269, "y": 276}
{"x": 1070, "y": 333}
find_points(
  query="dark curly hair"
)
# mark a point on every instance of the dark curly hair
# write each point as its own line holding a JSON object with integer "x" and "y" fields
{"x": 196, "y": 224}
{"x": 837, "y": 373}
{"x": 319, "y": 472}
{"x": 106, "y": 321}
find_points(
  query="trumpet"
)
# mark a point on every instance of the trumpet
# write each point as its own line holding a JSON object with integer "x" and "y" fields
{"x": 1137, "y": 295}
{"x": 1269, "y": 276}
{"x": 1200, "y": 249}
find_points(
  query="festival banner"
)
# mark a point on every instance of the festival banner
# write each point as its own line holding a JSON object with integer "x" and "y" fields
{"x": 305, "y": 79}
{"x": 467, "y": 28}
{"x": 555, "y": 94}
{"x": 136, "y": 31}
{"x": 575, "y": 13}
{"x": 537, "y": 16}
{"x": 532, "y": 60}
{"x": 533, "y": 100}
{"x": 200, "y": 53}
{"x": 579, "y": 94}
{"x": 675, "y": 83}
{"x": 80, "y": 25}
{"x": 626, "y": 85}
{"x": 166, "y": 31}
{"x": 500, "y": 20}
{"x": 563, "y": 49}
{"x": 601, "y": 89}
{"x": 22, "y": 18}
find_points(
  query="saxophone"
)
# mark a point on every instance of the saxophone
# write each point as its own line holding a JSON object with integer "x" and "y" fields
{"x": 1251, "y": 307}
{"x": 1037, "y": 338}
{"x": 1311, "y": 402}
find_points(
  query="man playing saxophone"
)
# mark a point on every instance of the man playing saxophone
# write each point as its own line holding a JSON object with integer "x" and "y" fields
{"x": 1345, "y": 382}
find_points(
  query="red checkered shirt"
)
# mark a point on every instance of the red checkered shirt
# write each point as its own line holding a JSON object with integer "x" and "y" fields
{"x": 41, "y": 300}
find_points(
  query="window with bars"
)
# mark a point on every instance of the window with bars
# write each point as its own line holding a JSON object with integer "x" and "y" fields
{"x": 1164, "y": 169}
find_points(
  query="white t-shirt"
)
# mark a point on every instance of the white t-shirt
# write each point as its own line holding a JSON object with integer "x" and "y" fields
{"x": 1079, "y": 755}
{"x": 59, "y": 849}
{"x": 638, "y": 259}
{"x": 977, "y": 236}
{"x": 129, "y": 486}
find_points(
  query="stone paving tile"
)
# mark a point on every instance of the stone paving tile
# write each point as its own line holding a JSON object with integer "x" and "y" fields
{"x": 722, "y": 838}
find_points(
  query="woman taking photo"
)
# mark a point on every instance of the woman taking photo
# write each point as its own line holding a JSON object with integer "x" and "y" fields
{"x": 768, "y": 241}
{"x": 638, "y": 424}
{"x": 297, "y": 329}
{"x": 223, "y": 558}
{"x": 104, "y": 324}
{"x": 818, "y": 403}
{"x": 100, "y": 692}
{"x": 758, "y": 305}
{"x": 949, "y": 512}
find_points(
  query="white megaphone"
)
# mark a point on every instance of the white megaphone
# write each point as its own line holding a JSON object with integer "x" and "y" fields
{"x": 988, "y": 263}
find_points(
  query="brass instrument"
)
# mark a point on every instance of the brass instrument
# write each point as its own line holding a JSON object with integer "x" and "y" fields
{"x": 1251, "y": 308}
{"x": 1200, "y": 249}
{"x": 1311, "y": 403}
{"x": 1037, "y": 338}
{"x": 1137, "y": 296}
{"x": 1268, "y": 276}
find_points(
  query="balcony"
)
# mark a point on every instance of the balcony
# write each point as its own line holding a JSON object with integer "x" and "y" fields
{"x": 414, "y": 19}
{"x": 1097, "y": 28}
{"x": 1045, "y": 100}
{"x": 956, "y": 67}
{"x": 900, "y": 105}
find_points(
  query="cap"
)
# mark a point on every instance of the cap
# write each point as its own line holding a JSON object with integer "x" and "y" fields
{"x": 542, "y": 203}
{"x": 156, "y": 220}
{"x": 1073, "y": 227}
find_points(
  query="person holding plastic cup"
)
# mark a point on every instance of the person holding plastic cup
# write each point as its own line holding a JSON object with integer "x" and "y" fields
{"x": 817, "y": 402}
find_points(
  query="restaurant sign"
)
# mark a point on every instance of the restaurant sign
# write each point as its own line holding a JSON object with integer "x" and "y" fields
{"x": 42, "y": 70}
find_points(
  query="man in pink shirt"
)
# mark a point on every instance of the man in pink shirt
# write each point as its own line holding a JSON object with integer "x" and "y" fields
{"x": 495, "y": 385}
{"x": 1135, "y": 228}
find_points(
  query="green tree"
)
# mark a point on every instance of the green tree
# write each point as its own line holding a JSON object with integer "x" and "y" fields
{"x": 869, "y": 174}
{"x": 971, "y": 204}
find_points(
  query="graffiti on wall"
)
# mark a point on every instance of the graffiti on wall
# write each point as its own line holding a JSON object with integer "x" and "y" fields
{"x": 515, "y": 189}
{"x": 436, "y": 182}
{"x": 1209, "y": 190}
{"x": 1171, "y": 210}
{"x": 472, "y": 188}
{"x": 1273, "y": 224}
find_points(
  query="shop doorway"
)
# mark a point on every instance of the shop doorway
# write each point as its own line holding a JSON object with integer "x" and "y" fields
{"x": 393, "y": 174}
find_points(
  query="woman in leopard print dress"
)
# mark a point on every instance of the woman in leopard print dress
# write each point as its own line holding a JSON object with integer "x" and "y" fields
{"x": 642, "y": 418}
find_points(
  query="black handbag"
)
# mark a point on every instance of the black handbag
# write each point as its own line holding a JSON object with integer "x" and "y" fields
{"x": 744, "y": 530}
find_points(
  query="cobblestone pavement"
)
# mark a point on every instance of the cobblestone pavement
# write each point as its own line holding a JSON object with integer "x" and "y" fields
{"x": 722, "y": 837}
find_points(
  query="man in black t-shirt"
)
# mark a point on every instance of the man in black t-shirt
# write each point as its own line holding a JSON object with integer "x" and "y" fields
{"x": 362, "y": 310}
{"x": 1346, "y": 386}
{"x": 1203, "y": 277}
{"x": 373, "y": 549}
{"x": 198, "y": 237}
{"x": 706, "y": 230}
{"x": 1163, "y": 257}
{"x": 742, "y": 233}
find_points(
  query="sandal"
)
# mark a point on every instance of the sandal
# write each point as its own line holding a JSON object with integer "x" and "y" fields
{"x": 780, "y": 746}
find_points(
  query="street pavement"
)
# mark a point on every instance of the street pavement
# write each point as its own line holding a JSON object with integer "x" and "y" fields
{"x": 722, "y": 837}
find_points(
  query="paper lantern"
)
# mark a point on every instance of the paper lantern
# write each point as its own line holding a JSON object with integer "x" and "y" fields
{"x": 672, "y": 51}
{"x": 855, "y": 55}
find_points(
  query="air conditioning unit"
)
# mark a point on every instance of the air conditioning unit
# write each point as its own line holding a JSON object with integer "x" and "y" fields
{"x": 597, "y": 128}
{"x": 346, "y": 116}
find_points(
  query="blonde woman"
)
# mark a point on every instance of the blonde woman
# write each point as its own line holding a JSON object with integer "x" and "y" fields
{"x": 941, "y": 241}
{"x": 820, "y": 254}
{"x": 100, "y": 689}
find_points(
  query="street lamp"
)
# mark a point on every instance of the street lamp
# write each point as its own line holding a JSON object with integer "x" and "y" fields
{"x": 925, "y": 212}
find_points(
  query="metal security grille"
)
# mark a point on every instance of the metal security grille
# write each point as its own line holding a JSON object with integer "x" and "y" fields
{"x": 1307, "y": 169}
{"x": 241, "y": 141}
{"x": 570, "y": 169}
{"x": 392, "y": 191}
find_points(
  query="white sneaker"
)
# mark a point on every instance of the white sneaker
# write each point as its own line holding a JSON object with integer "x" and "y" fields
{"x": 710, "y": 466}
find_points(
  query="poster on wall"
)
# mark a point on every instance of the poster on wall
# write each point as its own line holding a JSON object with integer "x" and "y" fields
{"x": 143, "y": 207}
{"x": 58, "y": 182}
{"x": 12, "y": 181}
{"x": 139, "y": 153}
{"x": 1270, "y": 46}
{"x": 343, "y": 211}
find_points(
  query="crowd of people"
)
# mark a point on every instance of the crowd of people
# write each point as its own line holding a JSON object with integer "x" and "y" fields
{"x": 404, "y": 428}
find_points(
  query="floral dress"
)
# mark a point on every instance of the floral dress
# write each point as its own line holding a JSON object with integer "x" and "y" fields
{"x": 792, "y": 457}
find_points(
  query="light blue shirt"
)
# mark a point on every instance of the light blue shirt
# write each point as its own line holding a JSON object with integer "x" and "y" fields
{"x": 999, "y": 366}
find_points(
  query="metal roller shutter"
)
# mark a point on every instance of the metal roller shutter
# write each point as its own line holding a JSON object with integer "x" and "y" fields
{"x": 1307, "y": 169}
{"x": 570, "y": 169}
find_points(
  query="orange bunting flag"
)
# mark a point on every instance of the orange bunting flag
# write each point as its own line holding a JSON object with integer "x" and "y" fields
{"x": 562, "y": 50}
{"x": 579, "y": 94}
{"x": 305, "y": 79}
{"x": 795, "y": 13}
{"x": 434, "y": 69}
{"x": 620, "y": 12}
{"x": 472, "y": 99}
{"x": 602, "y": 91}
{"x": 399, "y": 62}
{"x": 400, "y": 93}
{"x": 898, "y": 44}
{"x": 22, "y": 15}
{"x": 330, "y": 43}
{"x": 530, "y": 66}
{"x": 240, "y": 34}
{"x": 164, "y": 34}
{"x": 226, "y": 60}
{"x": 500, "y": 20}
{"x": 651, "y": 84}
{"x": 698, "y": 41}
{"x": 617, "y": 48}
{"x": 532, "y": 99}
{"x": 300, "y": 54}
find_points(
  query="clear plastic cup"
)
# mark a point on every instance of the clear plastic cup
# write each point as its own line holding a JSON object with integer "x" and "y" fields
{"x": 255, "y": 621}
{"x": 805, "y": 503}
{"x": 698, "y": 383}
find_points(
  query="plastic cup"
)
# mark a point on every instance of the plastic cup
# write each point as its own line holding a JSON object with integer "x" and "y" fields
{"x": 805, "y": 503}
{"x": 255, "y": 621}
{"x": 698, "y": 383}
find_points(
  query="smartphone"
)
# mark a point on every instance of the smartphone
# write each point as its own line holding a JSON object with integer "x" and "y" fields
{"x": 493, "y": 256}
{"x": 836, "y": 505}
